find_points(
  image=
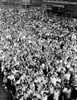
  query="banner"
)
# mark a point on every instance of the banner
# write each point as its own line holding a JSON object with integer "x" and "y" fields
{"x": 57, "y": 5}
{"x": 36, "y": 1}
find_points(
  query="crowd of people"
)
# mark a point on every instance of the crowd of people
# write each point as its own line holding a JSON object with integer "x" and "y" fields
{"x": 38, "y": 53}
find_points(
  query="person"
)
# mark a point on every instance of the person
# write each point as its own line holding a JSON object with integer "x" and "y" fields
{"x": 73, "y": 83}
{"x": 67, "y": 92}
{"x": 44, "y": 96}
{"x": 56, "y": 93}
{"x": 50, "y": 97}
{"x": 34, "y": 98}
{"x": 51, "y": 92}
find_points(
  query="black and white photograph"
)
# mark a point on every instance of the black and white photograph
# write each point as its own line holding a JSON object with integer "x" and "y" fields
{"x": 38, "y": 49}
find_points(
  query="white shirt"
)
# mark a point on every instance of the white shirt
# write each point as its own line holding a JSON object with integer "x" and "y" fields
{"x": 11, "y": 77}
{"x": 44, "y": 98}
{"x": 56, "y": 95}
{"x": 51, "y": 90}
{"x": 18, "y": 82}
{"x": 53, "y": 80}
{"x": 67, "y": 92}
{"x": 67, "y": 76}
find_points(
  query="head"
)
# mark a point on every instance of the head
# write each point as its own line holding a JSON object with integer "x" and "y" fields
{"x": 34, "y": 97}
{"x": 44, "y": 94}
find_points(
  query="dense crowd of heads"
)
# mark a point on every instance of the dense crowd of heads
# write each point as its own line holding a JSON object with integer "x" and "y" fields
{"x": 38, "y": 53}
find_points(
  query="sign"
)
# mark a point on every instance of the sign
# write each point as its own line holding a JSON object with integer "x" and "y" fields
{"x": 36, "y": 1}
{"x": 26, "y": 2}
{"x": 56, "y": 5}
